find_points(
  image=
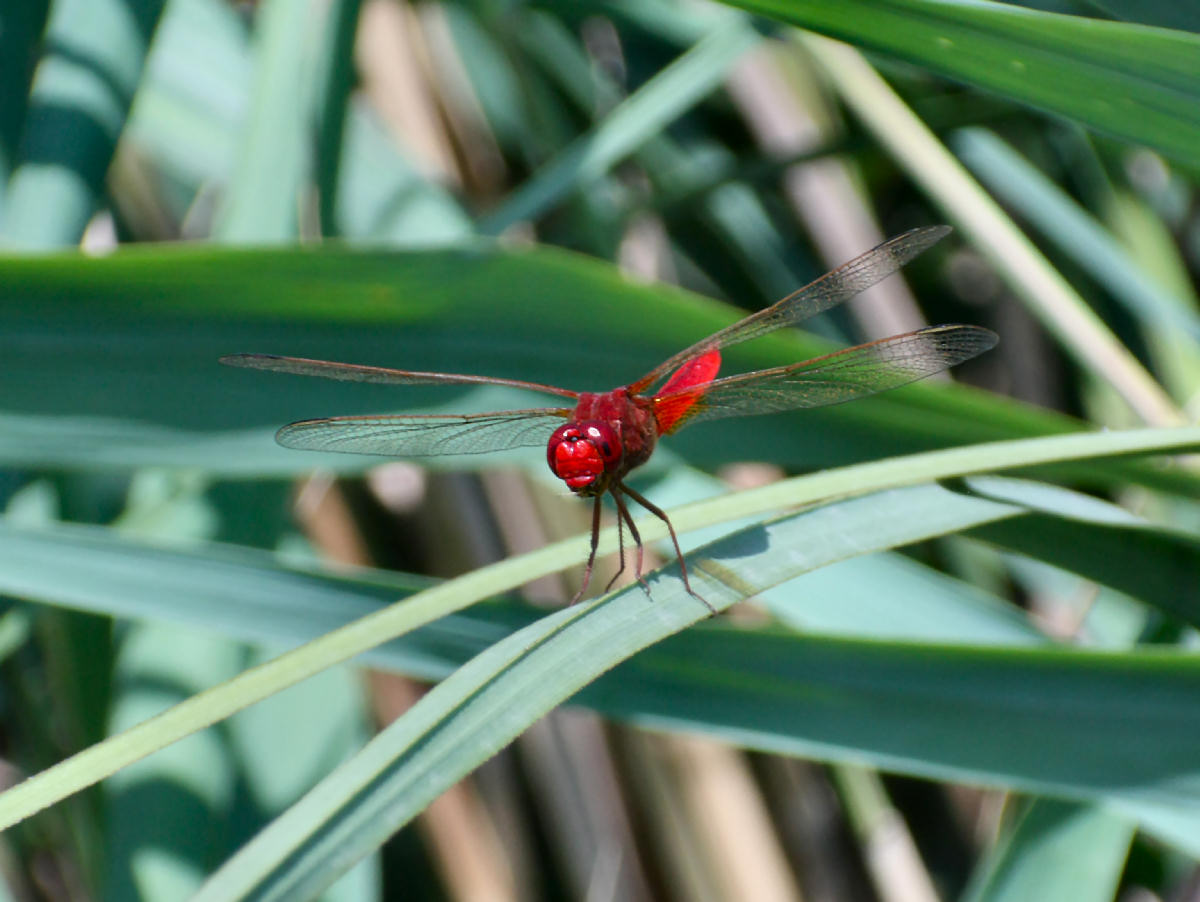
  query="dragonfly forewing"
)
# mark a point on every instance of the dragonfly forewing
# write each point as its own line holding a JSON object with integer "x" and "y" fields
{"x": 425, "y": 436}
{"x": 377, "y": 375}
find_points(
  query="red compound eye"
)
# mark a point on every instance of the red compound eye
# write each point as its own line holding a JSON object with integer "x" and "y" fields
{"x": 580, "y": 453}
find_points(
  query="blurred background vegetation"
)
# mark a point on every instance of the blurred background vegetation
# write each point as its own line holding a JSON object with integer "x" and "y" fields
{"x": 996, "y": 698}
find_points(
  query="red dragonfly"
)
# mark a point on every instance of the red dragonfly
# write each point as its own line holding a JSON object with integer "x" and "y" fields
{"x": 593, "y": 444}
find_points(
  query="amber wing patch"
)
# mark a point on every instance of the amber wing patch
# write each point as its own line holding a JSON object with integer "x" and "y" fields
{"x": 684, "y": 391}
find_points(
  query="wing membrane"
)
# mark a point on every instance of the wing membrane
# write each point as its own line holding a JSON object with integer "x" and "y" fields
{"x": 425, "y": 436}
{"x": 842, "y": 376}
{"x": 378, "y": 375}
{"x": 817, "y": 296}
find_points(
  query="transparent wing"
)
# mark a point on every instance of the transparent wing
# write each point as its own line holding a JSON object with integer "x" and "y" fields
{"x": 425, "y": 436}
{"x": 828, "y": 291}
{"x": 842, "y": 376}
{"x": 353, "y": 372}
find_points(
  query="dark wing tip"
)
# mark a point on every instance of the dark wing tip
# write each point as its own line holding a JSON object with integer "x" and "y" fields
{"x": 308, "y": 435}
{"x": 932, "y": 234}
{"x": 248, "y": 361}
{"x": 957, "y": 343}
{"x": 975, "y": 338}
{"x": 286, "y": 435}
{"x": 986, "y": 339}
{"x": 917, "y": 241}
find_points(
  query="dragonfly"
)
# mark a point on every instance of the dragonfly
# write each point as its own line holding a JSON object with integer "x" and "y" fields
{"x": 599, "y": 437}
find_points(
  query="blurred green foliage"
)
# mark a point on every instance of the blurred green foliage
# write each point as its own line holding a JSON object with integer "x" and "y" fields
{"x": 548, "y": 192}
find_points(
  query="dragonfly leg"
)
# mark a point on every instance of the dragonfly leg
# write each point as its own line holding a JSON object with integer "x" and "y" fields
{"x": 623, "y": 515}
{"x": 591, "y": 561}
{"x": 658, "y": 512}
{"x": 620, "y": 550}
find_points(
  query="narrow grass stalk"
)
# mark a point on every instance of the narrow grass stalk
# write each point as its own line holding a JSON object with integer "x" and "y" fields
{"x": 1047, "y": 294}
{"x": 206, "y": 708}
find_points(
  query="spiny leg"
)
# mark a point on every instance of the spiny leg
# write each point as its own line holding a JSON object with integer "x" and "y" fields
{"x": 658, "y": 512}
{"x": 624, "y": 515}
{"x": 620, "y": 550}
{"x": 591, "y": 561}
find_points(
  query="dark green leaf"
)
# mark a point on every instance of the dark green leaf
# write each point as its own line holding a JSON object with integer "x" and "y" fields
{"x": 1136, "y": 83}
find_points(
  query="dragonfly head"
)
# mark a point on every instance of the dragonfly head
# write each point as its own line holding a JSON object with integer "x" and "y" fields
{"x": 584, "y": 455}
